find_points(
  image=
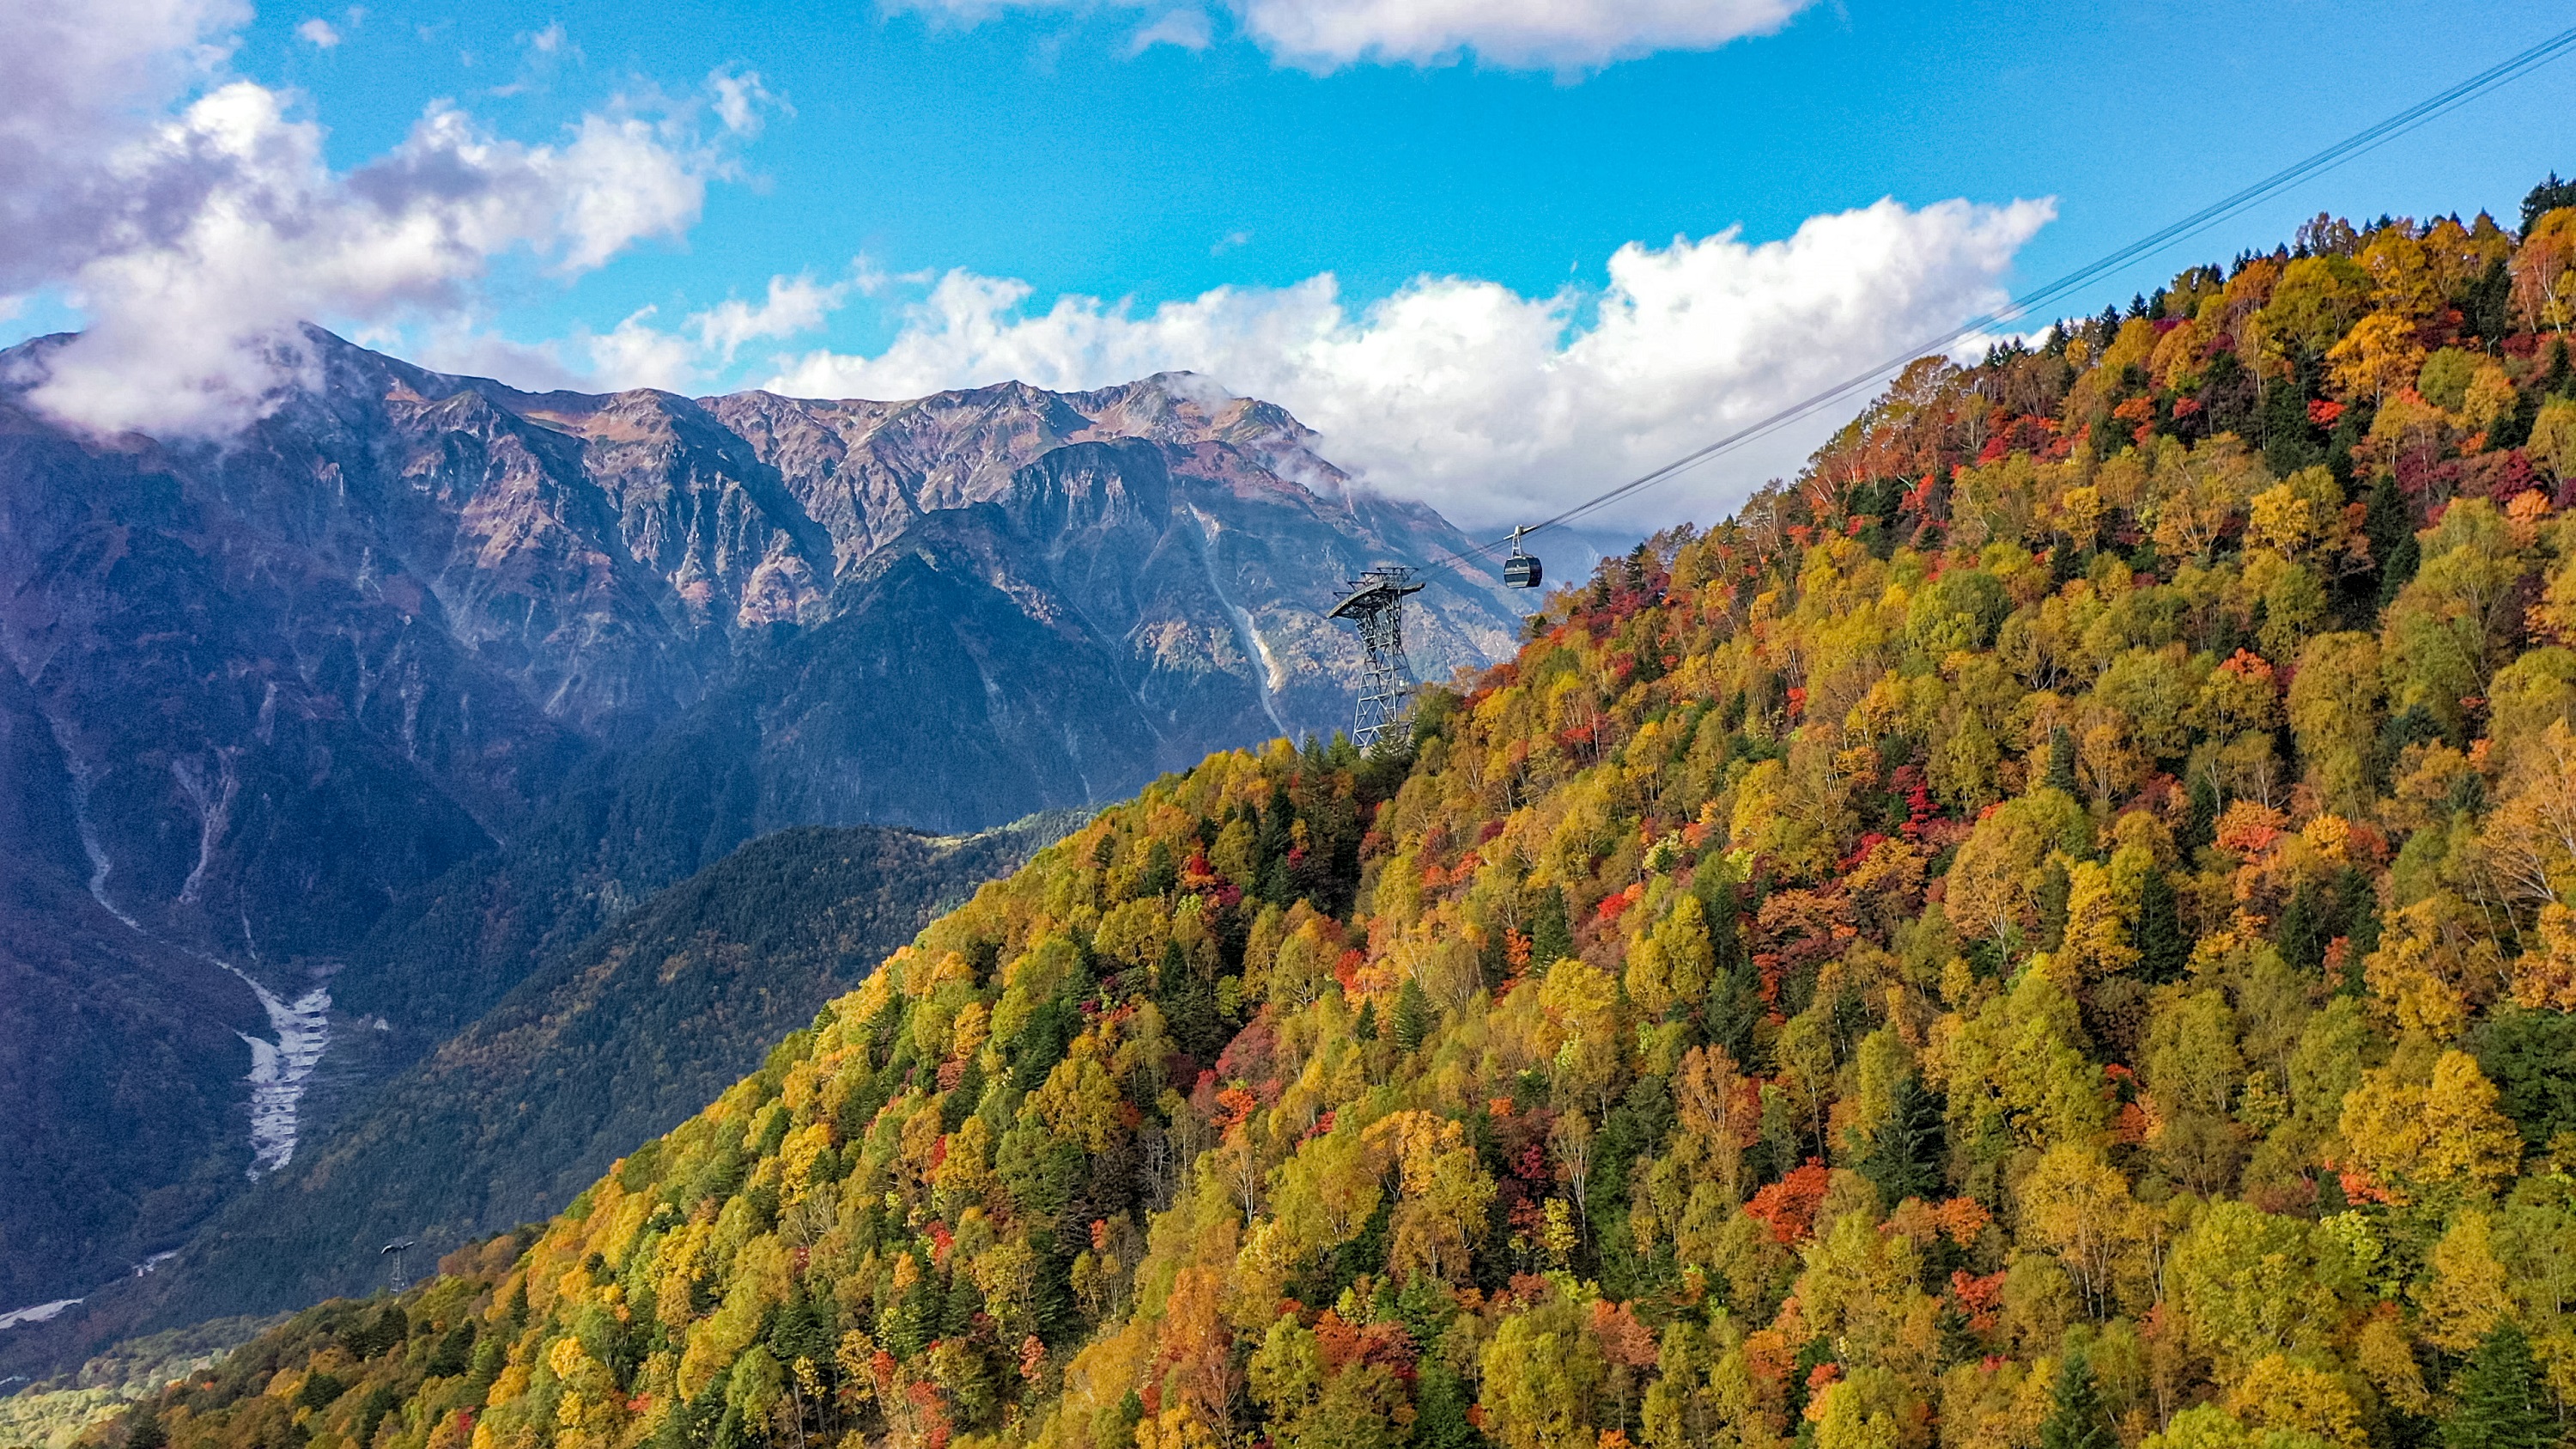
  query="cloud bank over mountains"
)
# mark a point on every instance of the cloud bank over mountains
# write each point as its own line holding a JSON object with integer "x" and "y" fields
{"x": 1492, "y": 406}
{"x": 191, "y": 215}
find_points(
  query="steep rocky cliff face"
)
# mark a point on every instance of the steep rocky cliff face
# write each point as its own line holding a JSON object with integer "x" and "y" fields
{"x": 315, "y": 740}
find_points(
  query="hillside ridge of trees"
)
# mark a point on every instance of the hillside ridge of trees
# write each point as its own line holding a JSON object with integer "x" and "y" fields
{"x": 2056, "y": 927}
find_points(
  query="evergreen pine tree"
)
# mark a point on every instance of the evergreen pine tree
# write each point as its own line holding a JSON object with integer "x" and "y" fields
{"x": 1341, "y": 754}
{"x": 1550, "y": 937}
{"x": 1366, "y": 1030}
{"x": 2357, "y": 921}
{"x": 2489, "y": 304}
{"x": 1904, "y": 1157}
{"x": 2387, "y": 522}
{"x": 2200, "y": 823}
{"x": 2163, "y": 949}
{"x": 2502, "y": 1402}
{"x": 1734, "y": 1005}
{"x": 2545, "y": 198}
{"x": 2061, "y": 760}
{"x": 144, "y": 1431}
{"x": 1440, "y": 1407}
{"x": 1188, "y": 1003}
{"x": 1278, "y": 882}
{"x": 1161, "y": 871}
{"x": 2289, "y": 441}
{"x": 1412, "y": 1015}
{"x": 2077, "y": 1419}
{"x": 2514, "y": 428}
{"x": 455, "y": 1351}
{"x": 2302, "y": 933}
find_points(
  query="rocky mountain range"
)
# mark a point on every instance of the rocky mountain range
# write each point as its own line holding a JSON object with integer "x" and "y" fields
{"x": 317, "y": 741}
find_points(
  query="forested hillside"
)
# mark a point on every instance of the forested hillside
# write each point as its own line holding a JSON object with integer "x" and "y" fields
{"x": 2051, "y": 929}
{"x": 603, "y": 1046}
{"x": 606, "y": 1043}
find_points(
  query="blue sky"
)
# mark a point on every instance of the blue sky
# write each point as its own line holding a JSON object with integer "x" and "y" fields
{"x": 1052, "y": 148}
{"x": 1036, "y": 146}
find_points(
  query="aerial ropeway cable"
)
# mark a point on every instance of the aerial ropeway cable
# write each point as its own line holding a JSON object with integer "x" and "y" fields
{"x": 2359, "y": 143}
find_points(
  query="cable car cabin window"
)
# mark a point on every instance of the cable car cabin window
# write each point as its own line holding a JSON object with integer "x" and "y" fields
{"x": 1521, "y": 571}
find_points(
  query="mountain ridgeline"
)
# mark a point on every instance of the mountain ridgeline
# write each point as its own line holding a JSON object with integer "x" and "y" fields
{"x": 2051, "y": 929}
{"x": 324, "y": 737}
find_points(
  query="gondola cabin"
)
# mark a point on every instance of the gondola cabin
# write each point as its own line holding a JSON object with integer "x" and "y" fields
{"x": 1521, "y": 570}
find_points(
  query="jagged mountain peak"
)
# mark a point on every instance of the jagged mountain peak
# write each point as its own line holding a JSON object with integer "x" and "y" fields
{"x": 322, "y": 696}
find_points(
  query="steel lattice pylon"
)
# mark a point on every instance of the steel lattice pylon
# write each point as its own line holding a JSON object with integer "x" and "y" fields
{"x": 1376, "y": 604}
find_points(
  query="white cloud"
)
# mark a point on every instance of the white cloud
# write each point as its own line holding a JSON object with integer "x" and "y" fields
{"x": 637, "y": 354}
{"x": 795, "y": 305}
{"x": 1541, "y": 34}
{"x": 319, "y": 33}
{"x": 459, "y": 347}
{"x": 74, "y": 79}
{"x": 194, "y": 239}
{"x": 1188, "y": 29}
{"x": 1493, "y": 406}
{"x": 741, "y": 102}
{"x": 542, "y": 56}
{"x": 1521, "y": 34}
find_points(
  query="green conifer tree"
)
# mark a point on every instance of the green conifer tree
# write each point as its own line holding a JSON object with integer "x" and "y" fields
{"x": 2302, "y": 932}
{"x": 1550, "y": 936}
{"x": 2502, "y": 1402}
{"x": 1440, "y": 1404}
{"x": 2077, "y": 1419}
{"x": 1904, "y": 1157}
{"x": 1188, "y": 1004}
{"x": 2200, "y": 823}
{"x": 2061, "y": 760}
{"x": 1161, "y": 871}
{"x": 1413, "y": 1020}
{"x": 2164, "y": 949}
{"x": 1734, "y": 1008}
{"x": 2396, "y": 570}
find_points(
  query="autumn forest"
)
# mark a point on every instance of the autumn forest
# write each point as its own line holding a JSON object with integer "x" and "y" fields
{"x": 2055, "y": 928}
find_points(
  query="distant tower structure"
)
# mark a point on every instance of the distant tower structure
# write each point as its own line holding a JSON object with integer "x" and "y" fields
{"x": 1376, "y": 604}
{"x": 394, "y": 1251}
